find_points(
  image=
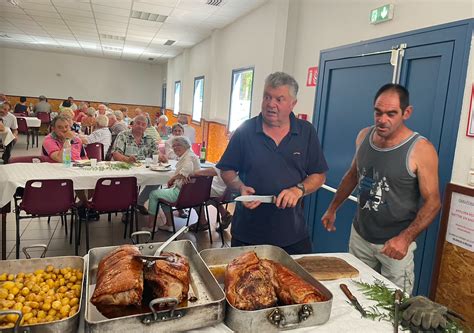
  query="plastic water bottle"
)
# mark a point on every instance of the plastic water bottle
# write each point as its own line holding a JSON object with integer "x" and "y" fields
{"x": 67, "y": 153}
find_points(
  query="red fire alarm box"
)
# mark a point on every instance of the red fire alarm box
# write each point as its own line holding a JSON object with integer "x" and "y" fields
{"x": 312, "y": 77}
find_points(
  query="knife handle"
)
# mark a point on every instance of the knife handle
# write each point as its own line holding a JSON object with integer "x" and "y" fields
{"x": 347, "y": 292}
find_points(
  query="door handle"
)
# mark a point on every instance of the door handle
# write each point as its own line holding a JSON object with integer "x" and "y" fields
{"x": 333, "y": 190}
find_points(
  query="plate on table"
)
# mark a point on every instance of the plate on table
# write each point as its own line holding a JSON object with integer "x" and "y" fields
{"x": 160, "y": 168}
{"x": 206, "y": 165}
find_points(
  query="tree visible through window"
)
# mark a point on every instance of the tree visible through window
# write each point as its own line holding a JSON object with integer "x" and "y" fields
{"x": 241, "y": 97}
{"x": 177, "y": 96}
{"x": 198, "y": 98}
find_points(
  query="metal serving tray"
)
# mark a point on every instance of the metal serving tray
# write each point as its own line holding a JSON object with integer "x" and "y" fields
{"x": 30, "y": 265}
{"x": 207, "y": 310}
{"x": 275, "y": 318}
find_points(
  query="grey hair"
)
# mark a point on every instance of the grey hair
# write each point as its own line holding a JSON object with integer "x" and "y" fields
{"x": 59, "y": 117}
{"x": 118, "y": 114}
{"x": 141, "y": 117}
{"x": 279, "y": 79}
{"x": 181, "y": 140}
{"x": 177, "y": 125}
{"x": 183, "y": 119}
{"x": 102, "y": 120}
{"x": 163, "y": 116}
{"x": 91, "y": 112}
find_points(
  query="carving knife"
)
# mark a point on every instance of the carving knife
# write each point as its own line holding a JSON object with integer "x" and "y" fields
{"x": 261, "y": 198}
{"x": 353, "y": 299}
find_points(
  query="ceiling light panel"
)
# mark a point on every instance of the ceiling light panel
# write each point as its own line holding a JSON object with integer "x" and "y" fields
{"x": 139, "y": 15}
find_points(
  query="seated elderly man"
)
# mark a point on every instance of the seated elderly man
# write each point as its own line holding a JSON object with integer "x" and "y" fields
{"x": 60, "y": 132}
{"x": 101, "y": 133}
{"x": 115, "y": 125}
{"x": 188, "y": 163}
{"x": 8, "y": 120}
{"x": 133, "y": 145}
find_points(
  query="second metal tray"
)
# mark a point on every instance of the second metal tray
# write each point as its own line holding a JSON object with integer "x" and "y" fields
{"x": 275, "y": 318}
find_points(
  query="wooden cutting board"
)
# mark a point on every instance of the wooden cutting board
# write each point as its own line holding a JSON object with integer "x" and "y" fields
{"x": 327, "y": 268}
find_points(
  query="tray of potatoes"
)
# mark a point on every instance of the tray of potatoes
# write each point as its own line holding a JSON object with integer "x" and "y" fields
{"x": 41, "y": 294}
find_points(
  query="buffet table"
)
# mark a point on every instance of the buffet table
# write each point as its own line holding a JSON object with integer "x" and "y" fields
{"x": 344, "y": 317}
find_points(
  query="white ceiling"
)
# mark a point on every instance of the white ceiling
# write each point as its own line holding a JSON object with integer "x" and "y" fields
{"x": 105, "y": 28}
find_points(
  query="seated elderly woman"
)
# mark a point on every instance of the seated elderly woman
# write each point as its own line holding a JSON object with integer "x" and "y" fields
{"x": 187, "y": 164}
{"x": 177, "y": 130}
{"x": 100, "y": 134}
{"x": 89, "y": 121}
{"x": 163, "y": 130}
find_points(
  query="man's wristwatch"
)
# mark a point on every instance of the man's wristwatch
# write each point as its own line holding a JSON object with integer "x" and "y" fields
{"x": 301, "y": 187}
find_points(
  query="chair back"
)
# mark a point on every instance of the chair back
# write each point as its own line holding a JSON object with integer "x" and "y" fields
{"x": 95, "y": 150}
{"x": 114, "y": 194}
{"x": 22, "y": 125}
{"x": 44, "y": 117}
{"x": 195, "y": 192}
{"x": 28, "y": 159}
{"x": 48, "y": 196}
{"x": 196, "y": 147}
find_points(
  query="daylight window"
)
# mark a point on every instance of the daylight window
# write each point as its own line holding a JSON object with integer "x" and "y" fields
{"x": 241, "y": 97}
{"x": 177, "y": 96}
{"x": 198, "y": 97}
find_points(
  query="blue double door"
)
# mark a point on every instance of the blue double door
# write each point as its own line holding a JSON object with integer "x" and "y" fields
{"x": 432, "y": 64}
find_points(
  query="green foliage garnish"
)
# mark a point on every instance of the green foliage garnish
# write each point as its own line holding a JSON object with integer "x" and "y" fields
{"x": 385, "y": 307}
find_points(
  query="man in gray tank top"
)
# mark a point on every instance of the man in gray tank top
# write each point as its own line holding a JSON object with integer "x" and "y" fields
{"x": 396, "y": 173}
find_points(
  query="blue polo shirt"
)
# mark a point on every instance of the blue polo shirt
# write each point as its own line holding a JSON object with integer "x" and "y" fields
{"x": 269, "y": 169}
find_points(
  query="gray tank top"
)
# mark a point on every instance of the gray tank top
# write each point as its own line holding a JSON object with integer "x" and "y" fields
{"x": 389, "y": 196}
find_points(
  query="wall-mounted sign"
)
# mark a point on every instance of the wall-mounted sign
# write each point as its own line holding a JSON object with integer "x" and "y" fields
{"x": 381, "y": 14}
{"x": 470, "y": 119}
{"x": 312, "y": 77}
{"x": 461, "y": 221}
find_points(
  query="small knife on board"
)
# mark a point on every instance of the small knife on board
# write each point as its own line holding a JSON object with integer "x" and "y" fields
{"x": 353, "y": 299}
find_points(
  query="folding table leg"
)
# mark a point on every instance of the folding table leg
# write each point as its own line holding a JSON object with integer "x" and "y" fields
{"x": 208, "y": 221}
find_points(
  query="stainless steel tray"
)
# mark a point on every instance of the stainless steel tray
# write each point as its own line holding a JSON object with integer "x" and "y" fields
{"x": 207, "y": 310}
{"x": 275, "y": 318}
{"x": 30, "y": 265}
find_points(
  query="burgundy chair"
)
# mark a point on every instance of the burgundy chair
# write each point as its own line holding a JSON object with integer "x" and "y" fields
{"x": 23, "y": 129}
{"x": 45, "y": 197}
{"x": 112, "y": 195}
{"x": 193, "y": 194}
{"x": 196, "y": 148}
{"x": 45, "y": 119}
{"x": 95, "y": 150}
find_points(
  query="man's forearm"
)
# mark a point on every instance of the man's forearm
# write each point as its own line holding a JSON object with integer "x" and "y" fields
{"x": 347, "y": 185}
{"x": 313, "y": 182}
{"x": 232, "y": 180}
{"x": 423, "y": 219}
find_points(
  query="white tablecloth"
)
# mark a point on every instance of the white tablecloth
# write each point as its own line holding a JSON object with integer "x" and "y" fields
{"x": 344, "y": 317}
{"x": 32, "y": 121}
{"x": 7, "y": 137}
{"x": 16, "y": 175}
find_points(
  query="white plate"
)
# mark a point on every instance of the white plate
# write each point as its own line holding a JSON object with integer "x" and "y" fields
{"x": 160, "y": 168}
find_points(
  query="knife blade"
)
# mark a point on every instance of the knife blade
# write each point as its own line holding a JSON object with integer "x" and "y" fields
{"x": 353, "y": 299}
{"x": 261, "y": 198}
{"x": 396, "y": 317}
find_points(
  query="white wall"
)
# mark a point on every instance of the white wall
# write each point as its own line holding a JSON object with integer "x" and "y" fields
{"x": 290, "y": 34}
{"x": 57, "y": 75}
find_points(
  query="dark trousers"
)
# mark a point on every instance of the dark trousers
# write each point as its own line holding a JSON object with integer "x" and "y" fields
{"x": 302, "y": 247}
{"x": 7, "y": 152}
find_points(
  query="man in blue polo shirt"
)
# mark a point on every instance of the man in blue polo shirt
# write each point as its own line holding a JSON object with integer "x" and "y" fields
{"x": 274, "y": 154}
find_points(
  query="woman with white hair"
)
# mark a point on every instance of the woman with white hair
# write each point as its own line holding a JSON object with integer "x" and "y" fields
{"x": 188, "y": 163}
{"x": 101, "y": 133}
{"x": 163, "y": 130}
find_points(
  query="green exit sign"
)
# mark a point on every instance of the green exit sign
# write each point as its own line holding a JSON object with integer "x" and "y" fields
{"x": 381, "y": 14}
